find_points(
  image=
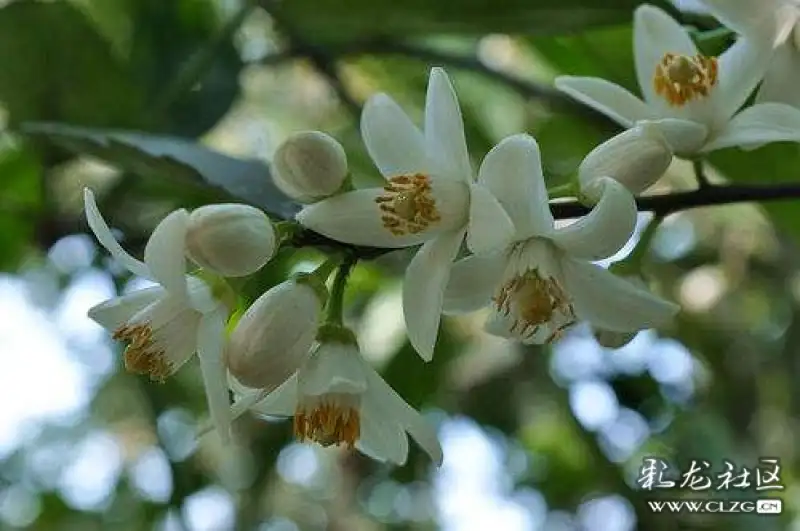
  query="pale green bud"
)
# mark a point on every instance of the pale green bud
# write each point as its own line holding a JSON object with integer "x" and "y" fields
{"x": 637, "y": 158}
{"x": 232, "y": 240}
{"x": 309, "y": 166}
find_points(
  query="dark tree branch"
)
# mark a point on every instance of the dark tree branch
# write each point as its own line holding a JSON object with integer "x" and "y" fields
{"x": 665, "y": 204}
{"x": 525, "y": 88}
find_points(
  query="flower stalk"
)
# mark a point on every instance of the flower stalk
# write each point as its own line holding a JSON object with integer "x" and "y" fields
{"x": 335, "y": 310}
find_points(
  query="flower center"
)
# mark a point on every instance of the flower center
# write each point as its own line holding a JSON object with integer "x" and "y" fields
{"x": 329, "y": 421}
{"x": 681, "y": 78}
{"x": 535, "y": 301}
{"x": 142, "y": 355}
{"x": 407, "y": 204}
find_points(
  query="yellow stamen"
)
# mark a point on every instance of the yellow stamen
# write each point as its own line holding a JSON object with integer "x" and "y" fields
{"x": 534, "y": 301}
{"x": 408, "y": 205}
{"x": 142, "y": 355}
{"x": 681, "y": 78}
{"x": 328, "y": 423}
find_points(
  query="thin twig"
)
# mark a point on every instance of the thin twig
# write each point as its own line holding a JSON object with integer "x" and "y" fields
{"x": 523, "y": 87}
{"x": 323, "y": 60}
{"x": 710, "y": 195}
{"x": 700, "y": 174}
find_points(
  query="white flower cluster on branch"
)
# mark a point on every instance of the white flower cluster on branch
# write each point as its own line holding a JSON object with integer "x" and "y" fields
{"x": 486, "y": 238}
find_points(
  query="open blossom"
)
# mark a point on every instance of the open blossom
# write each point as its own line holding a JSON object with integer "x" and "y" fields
{"x": 429, "y": 197}
{"x": 165, "y": 324}
{"x": 544, "y": 281}
{"x": 337, "y": 398}
{"x": 693, "y": 98}
{"x": 780, "y": 19}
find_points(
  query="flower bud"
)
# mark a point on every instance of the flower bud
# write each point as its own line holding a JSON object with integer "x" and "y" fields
{"x": 274, "y": 336}
{"x": 309, "y": 166}
{"x": 637, "y": 158}
{"x": 230, "y": 239}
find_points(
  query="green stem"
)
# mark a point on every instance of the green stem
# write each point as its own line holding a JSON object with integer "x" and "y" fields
{"x": 700, "y": 174}
{"x": 563, "y": 190}
{"x": 335, "y": 308}
{"x": 326, "y": 268}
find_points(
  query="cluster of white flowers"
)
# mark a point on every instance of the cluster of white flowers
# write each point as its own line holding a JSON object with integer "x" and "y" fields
{"x": 487, "y": 239}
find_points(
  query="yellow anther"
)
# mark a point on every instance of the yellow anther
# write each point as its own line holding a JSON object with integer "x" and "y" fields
{"x": 681, "y": 78}
{"x": 328, "y": 423}
{"x": 142, "y": 355}
{"x": 407, "y": 204}
{"x": 534, "y": 301}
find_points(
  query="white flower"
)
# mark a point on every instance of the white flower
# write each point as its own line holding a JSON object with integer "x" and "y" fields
{"x": 693, "y": 98}
{"x": 274, "y": 336}
{"x": 337, "y": 398}
{"x": 165, "y": 324}
{"x": 309, "y": 166}
{"x": 430, "y": 197}
{"x": 781, "y": 20}
{"x": 637, "y": 158}
{"x": 544, "y": 281}
{"x": 230, "y": 239}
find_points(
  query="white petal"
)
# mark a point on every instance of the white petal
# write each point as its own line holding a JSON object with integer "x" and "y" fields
{"x": 741, "y": 68}
{"x": 241, "y": 405}
{"x": 787, "y": 16}
{"x": 685, "y": 137}
{"x": 782, "y": 79}
{"x": 395, "y": 144}
{"x": 604, "y": 230}
{"x": 107, "y": 240}
{"x": 423, "y": 290}
{"x": 744, "y": 16}
{"x": 201, "y": 297}
{"x": 333, "y": 368}
{"x": 115, "y": 312}
{"x": 499, "y": 324}
{"x": 178, "y": 337}
{"x": 397, "y": 408}
{"x": 280, "y": 402}
{"x": 381, "y": 437}
{"x": 760, "y": 124}
{"x": 607, "y": 97}
{"x": 512, "y": 171}
{"x": 211, "y": 336}
{"x": 490, "y": 229}
{"x": 655, "y": 33}
{"x": 444, "y": 128}
{"x": 612, "y": 303}
{"x": 472, "y": 282}
{"x": 354, "y": 217}
{"x": 165, "y": 252}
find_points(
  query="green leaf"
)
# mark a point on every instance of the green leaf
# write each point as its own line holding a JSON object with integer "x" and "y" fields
{"x": 20, "y": 203}
{"x": 326, "y": 20}
{"x": 55, "y": 66}
{"x": 773, "y": 163}
{"x": 173, "y": 158}
{"x": 166, "y": 37}
{"x": 605, "y": 53}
